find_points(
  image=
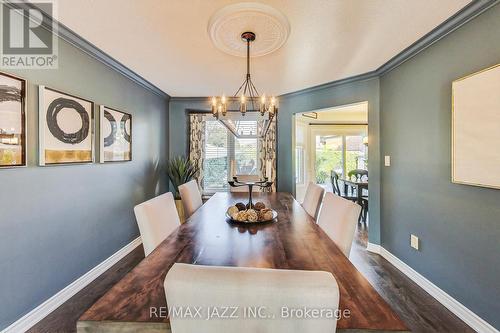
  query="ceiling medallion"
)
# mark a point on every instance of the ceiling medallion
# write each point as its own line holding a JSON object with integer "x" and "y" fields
{"x": 269, "y": 25}
{"x": 233, "y": 29}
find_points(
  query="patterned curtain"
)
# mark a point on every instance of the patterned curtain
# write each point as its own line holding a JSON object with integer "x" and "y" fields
{"x": 197, "y": 144}
{"x": 267, "y": 155}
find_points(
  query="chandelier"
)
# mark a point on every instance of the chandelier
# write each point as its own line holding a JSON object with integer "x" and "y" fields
{"x": 246, "y": 99}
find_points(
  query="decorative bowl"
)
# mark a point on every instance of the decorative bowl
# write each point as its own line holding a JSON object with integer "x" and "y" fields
{"x": 275, "y": 215}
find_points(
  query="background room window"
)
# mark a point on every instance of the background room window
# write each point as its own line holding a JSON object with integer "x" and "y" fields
{"x": 299, "y": 165}
{"x": 355, "y": 153}
{"x": 329, "y": 156}
{"x": 339, "y": 152}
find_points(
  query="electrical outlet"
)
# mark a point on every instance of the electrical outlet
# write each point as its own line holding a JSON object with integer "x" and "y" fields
{"x": 414, "y": 242}
{"x": 387, "y": 160}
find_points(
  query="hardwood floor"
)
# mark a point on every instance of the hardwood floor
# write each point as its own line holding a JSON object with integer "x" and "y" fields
{"x": 417, "y": 309}
{"x": 64, "y": 318}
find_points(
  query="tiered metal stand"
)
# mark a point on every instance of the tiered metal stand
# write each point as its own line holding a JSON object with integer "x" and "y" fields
{"x": 262, "y": 184}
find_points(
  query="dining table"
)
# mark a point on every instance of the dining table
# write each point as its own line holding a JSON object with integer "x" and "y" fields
{"x": 292, "y": 241}
{"x": 357, "y": 185}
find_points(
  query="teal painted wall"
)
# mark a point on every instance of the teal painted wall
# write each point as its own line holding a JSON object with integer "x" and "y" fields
{"x": 178, "y": 122}
{"x": 343, "y": 94}
{"x": 458, "y": 225}
{"x": 58, "y": 222}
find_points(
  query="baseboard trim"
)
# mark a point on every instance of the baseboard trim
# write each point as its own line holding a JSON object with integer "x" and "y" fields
{"x": 374, "y": 248}
{"x": 460, "y": 310}
{"x": 34, "y": 316}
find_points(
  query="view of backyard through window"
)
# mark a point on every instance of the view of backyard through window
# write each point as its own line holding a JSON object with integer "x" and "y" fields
{"x": 339, "y": 153}
{"x": 215, "y": 163}
{"x": 223, "y": 150}
{"x": 245, "y": 155}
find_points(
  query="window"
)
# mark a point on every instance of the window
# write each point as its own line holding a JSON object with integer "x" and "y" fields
{"x": 299, "y": 165}
{"x": 354, "y": 153}
{"x": 226, "y": 154}
{"x": 215, "y": 161}
{"x": 329, "y": 156}
{"x": 245, "y": 156}
{"x": 341, "y": 153}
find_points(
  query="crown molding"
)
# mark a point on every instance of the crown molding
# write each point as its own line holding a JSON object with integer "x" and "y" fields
{"x": 356, "y": 78}
{"x": 90, "y": 49}
{"x": 74, "y": 39}
{"x": 466, "y": 14}
{"x": 190, "y": 99}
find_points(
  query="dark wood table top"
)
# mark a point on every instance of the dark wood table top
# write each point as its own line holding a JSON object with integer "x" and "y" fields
{"x": 348, "y": 181}
{"x": 295, "y": 241}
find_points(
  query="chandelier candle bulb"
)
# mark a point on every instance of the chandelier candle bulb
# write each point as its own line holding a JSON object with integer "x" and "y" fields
{"x": 214, "y": 106}
{"x": 272, "y": 107}
{"x": 243, "y": 105}
{"x": 224, "y": 104}
{"x": 263, "y": 105}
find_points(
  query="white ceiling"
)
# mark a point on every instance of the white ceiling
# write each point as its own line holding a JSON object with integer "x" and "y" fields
{"x": 166, "y": 41}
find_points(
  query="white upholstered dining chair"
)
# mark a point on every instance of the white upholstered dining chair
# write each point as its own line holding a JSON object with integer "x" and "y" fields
{"x": 191, "y": 197}
{"x": 156, "y": 218}
{"x": 312, "y": 199}
{"x": 338, "y": 218}
{"x": 209, "y": 287}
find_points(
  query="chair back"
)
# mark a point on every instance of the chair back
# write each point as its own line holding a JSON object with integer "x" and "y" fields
{"x": 246, "y": 178}
{"x": 312, "y": 199}
{"x": 359, "y": 174}
{"x": 338, "y": 218}
{"x": 334, "y": 177}
{"x": 156, "y": 218}
{"x": 244, "y": 290}
{"x": 191, "y": 197}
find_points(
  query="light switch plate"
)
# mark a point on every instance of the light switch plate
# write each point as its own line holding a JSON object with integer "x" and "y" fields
{"x": 387, "y": 160}
{"x": 414, "y": 242}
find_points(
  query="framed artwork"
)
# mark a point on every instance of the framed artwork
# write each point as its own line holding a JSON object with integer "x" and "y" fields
{"x": 12, "y": 121}
{"x": 65, "y": 128}
{"x": 476, "y": 129}
{"x": 115, "y": 135}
